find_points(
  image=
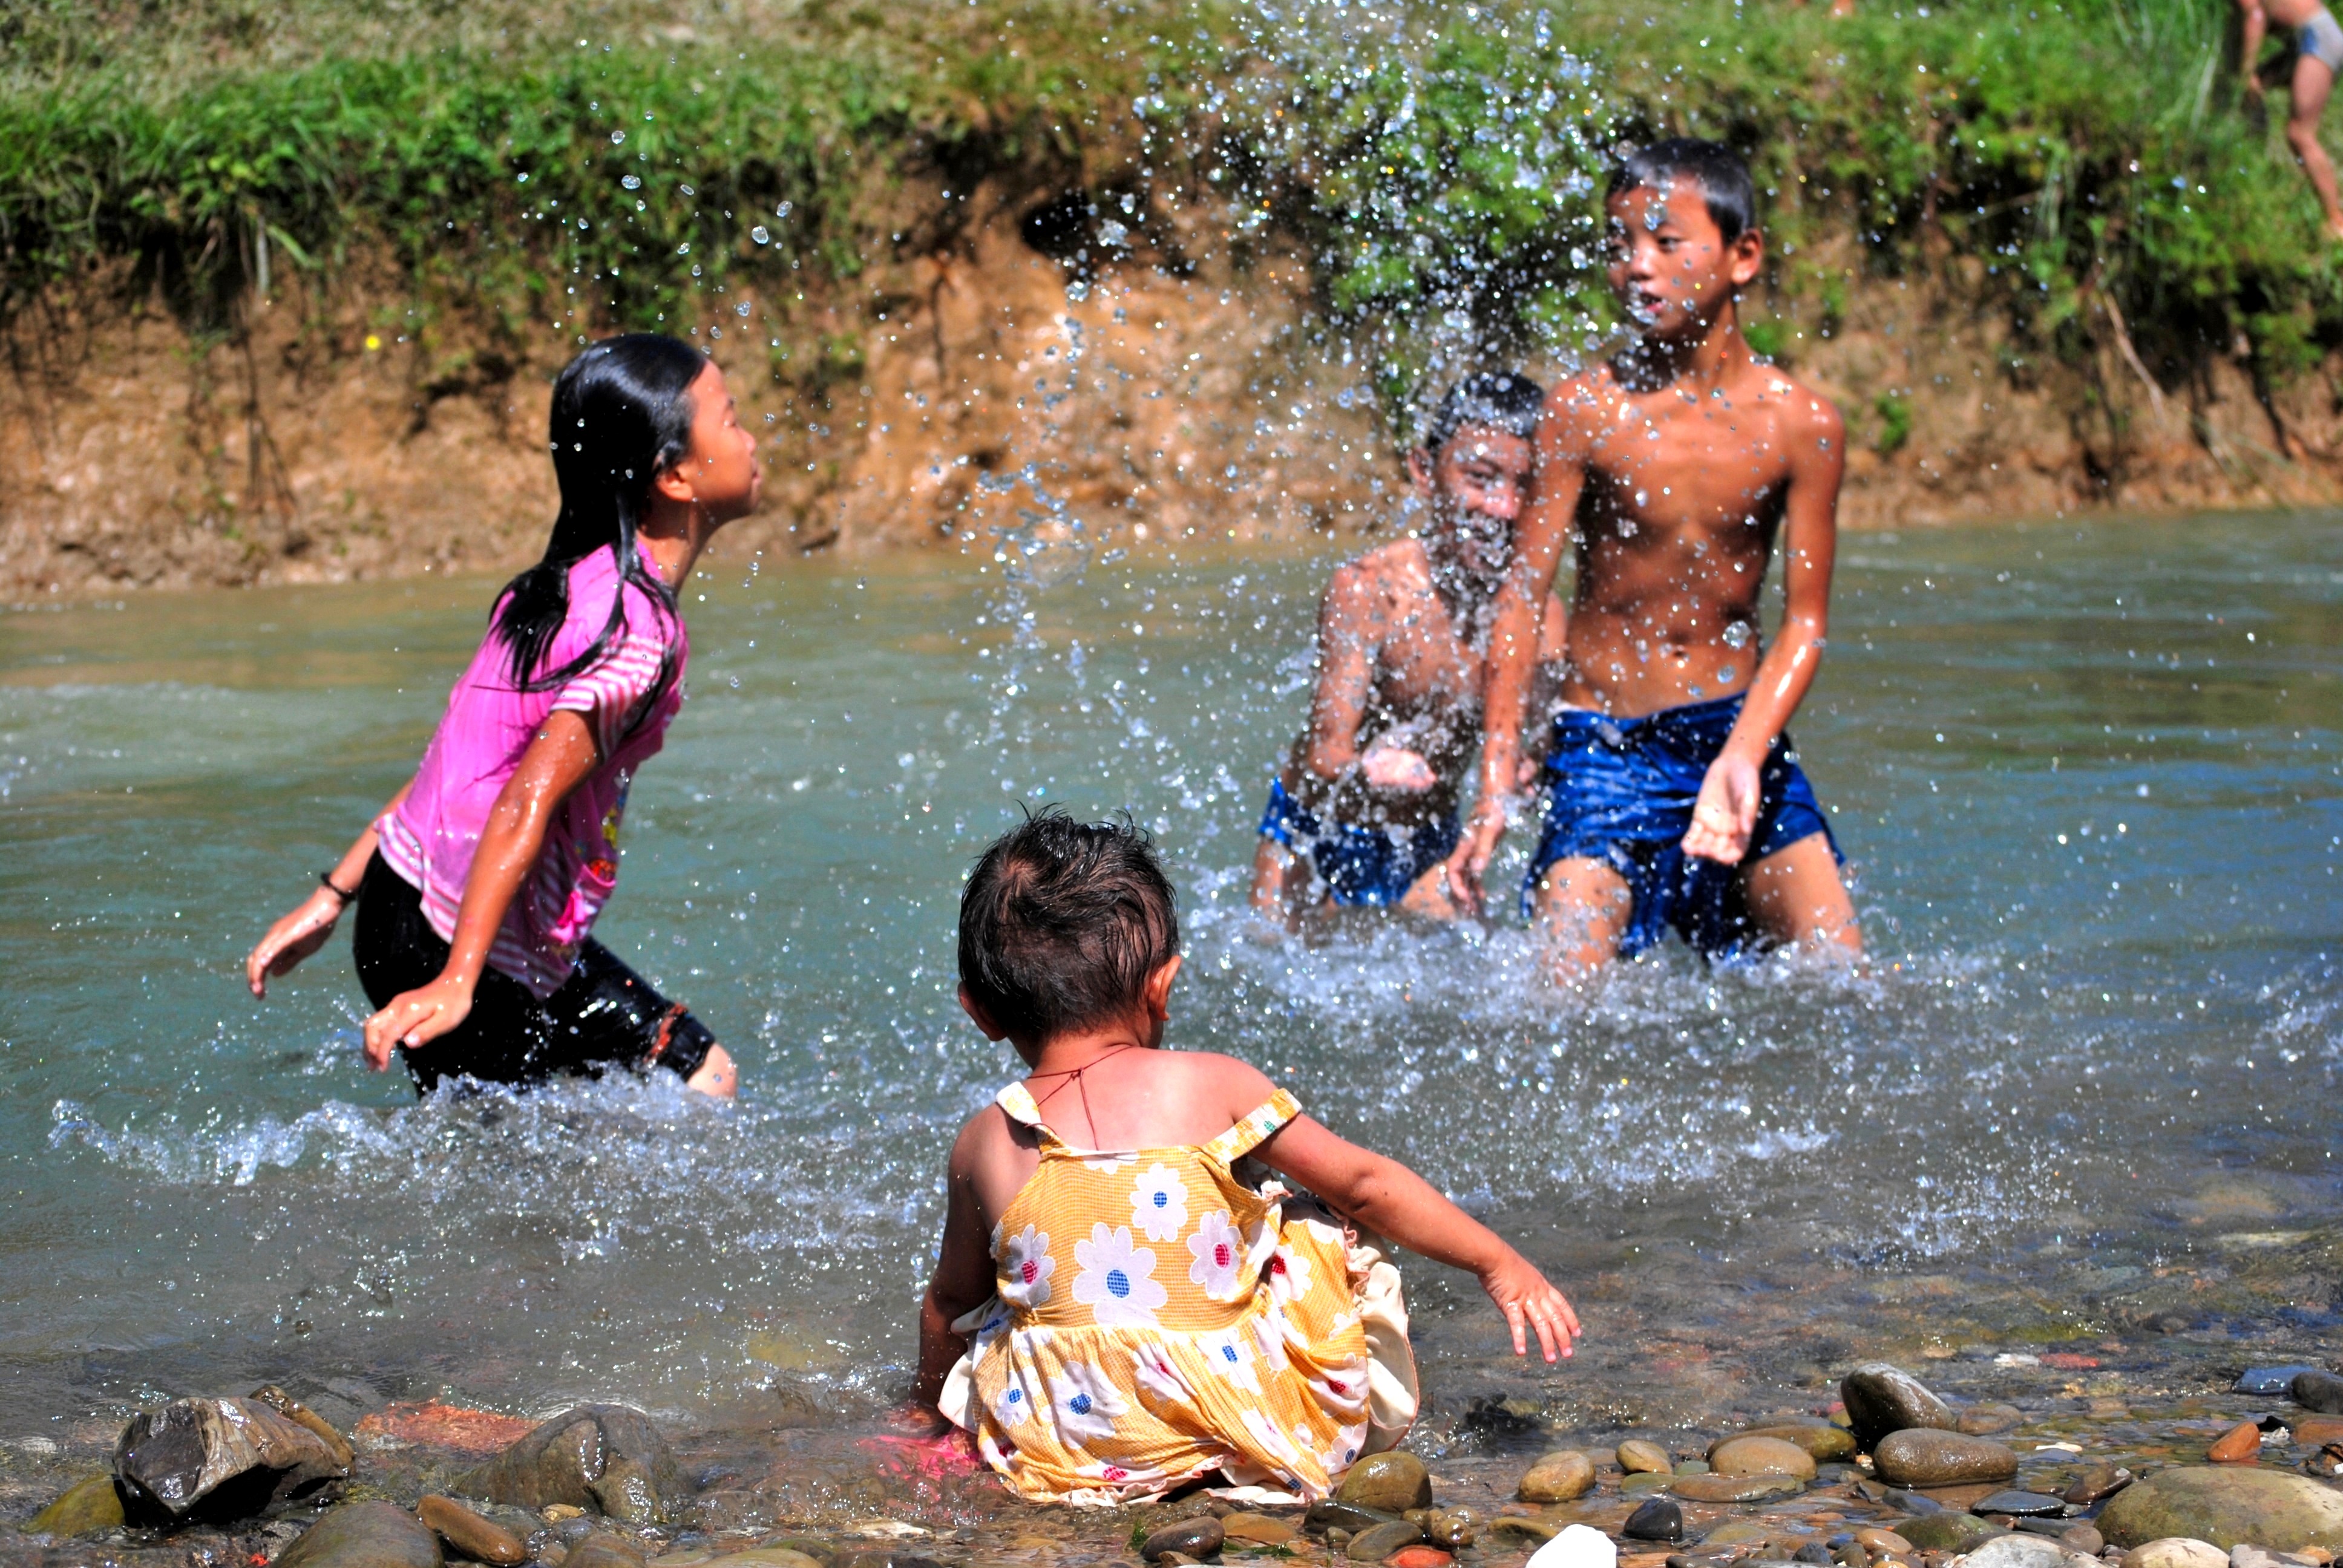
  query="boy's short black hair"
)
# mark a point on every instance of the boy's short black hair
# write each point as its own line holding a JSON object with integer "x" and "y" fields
{"x": 1061, "y": 922}
{"x": 1503, "y": 400}
{"x": 1724, "y": 177}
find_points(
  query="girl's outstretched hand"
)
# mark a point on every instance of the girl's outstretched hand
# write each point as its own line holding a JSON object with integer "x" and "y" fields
{"x": 292, "y": 939}
{"x": 1529, "y": 1303}
{"x": 417, "y": 1018}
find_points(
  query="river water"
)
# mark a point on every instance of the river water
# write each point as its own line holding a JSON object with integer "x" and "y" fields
{"x": 2086, "y": 774}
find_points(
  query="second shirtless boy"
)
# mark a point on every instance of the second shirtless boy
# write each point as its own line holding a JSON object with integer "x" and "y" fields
{"x": 1671, "y": 795}
{"x": 1364, "y": 810}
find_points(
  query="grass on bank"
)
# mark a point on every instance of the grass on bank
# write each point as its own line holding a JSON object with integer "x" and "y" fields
{"x": 616, "y": 165}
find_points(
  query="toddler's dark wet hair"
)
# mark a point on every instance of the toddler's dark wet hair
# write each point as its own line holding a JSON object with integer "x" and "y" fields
{"x": 1061, "y": 922}
{"x": 1723, "y": 178}
{"x": 1501, "y": 400}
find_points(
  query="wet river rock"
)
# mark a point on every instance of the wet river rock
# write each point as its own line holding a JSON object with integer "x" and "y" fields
{"x": 1735, "y": 1488}
{"x": 1755, "y": 1454}
{"x": 84, "y": 1508}
{"x": 1926, "y": 1457}
{"x": 1637, "y": 1457}
{"x": 2226, "y": 1504}
{"x": 364, "y": 1535}
{"x": 1947, "y": 1531}
{"x": 225, "y": 1458}
{"x": 2318, "y": 1390}
{"x": 1823, "y": 1443}
{"x": 2175, "y": 1551}
{"x": 1198, "y": 1537}
{"x": 1557, "y": 1477}
{"x": 600, "y": 1456}
{"x": 2028, "y": 1552}
{"x": 2025, "y": 1505}
{"x": 1881, "y": 1399}
{"x": 1375, "y": 1545}
{"x": 1392, "y": 1482}
{"x": 604, "y": 1551}
{"x": 469, "y": 1536}
{"x": 1657, "y": 1519}
{"x": 1334, "y": 1513}
{"x": 2099, "y": 1481}
{"x": 1985, "y": 1419}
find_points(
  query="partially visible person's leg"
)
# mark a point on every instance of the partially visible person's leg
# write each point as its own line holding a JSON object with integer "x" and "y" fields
{"x": 1429, "y": 895}
{"x": 2314, "y": 81}
{"x": 608, "y": 1016}
{"x": 1582, "y": 910}
{"x": 396, "y": 951}
{"x": 1796, "y": 896}
{"x": 1281, "y": 884}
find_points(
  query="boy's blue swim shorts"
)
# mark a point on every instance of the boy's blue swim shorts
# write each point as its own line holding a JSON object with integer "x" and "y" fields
{"x": 1372, "y": 866}
{"x": 1622, "y": 791}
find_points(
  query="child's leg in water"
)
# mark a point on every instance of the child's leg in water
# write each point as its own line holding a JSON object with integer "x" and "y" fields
{"x": 605, "y": 1016}
{"x": 1796, "y": 896}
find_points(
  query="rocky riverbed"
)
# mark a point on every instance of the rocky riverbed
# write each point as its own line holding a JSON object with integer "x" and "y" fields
{"x": 2056, "y": 1460}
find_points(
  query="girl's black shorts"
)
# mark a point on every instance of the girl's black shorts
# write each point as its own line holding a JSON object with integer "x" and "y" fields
{"x": 604, "y": 1016}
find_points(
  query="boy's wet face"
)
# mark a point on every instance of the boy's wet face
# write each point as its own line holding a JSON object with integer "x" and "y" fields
{"x": 1476, "y": 483}
{"x": 1669, "y": 266}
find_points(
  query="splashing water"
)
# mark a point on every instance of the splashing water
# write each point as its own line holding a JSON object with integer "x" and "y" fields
{"x": 2094, "y": 837}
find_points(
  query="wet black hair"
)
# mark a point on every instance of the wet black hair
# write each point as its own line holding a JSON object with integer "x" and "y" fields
{"x": 1061, "y": 922}
{"x": 1723, "y": 178}
{"x": 622, "y": 415}
{"x": 1502, "y": 401}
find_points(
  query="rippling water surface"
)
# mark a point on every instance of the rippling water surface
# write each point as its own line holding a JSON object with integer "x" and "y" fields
{"x": 2086, "y": 777}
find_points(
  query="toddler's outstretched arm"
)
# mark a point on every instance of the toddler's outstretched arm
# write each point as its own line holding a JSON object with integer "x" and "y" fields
{"x": 1393, "y": 1201}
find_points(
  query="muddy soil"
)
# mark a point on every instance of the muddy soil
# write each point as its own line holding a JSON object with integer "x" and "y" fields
{"x": 986, "y": 385}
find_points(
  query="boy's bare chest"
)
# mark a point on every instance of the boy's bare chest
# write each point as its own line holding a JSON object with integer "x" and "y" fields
{"x": 1667, "y": 462}
{"x": 1424, "y": 662}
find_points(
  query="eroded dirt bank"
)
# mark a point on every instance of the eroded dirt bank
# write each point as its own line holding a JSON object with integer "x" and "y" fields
{"x": 980, "y": 386}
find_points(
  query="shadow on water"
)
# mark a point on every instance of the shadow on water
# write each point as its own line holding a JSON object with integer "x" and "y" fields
{"x": 2086, "y": 775}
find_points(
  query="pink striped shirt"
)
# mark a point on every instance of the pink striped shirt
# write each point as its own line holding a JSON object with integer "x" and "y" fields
{"x": 431, "y": 838}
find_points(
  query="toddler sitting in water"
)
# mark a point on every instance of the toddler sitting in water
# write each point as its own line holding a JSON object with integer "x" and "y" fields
{"x": 1124, "y": 1302}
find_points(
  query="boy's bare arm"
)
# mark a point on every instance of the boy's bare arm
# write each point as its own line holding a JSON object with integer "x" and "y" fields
{"x": 1348, "y": 632}
{"x": 1725, "y": 813}
{"x": 1539, "y": 539}
{"x": 1393, "y": 1201}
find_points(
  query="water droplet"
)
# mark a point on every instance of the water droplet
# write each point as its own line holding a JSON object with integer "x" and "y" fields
{"x": 618, "y": 139}
{"x": 761, "y": 234}
{"x": 632, "y": 182}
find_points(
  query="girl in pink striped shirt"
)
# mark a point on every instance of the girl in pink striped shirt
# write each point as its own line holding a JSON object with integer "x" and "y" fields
{"x": 478, "y": 885}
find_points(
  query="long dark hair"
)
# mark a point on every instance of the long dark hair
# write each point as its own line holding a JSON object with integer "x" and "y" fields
{"x": 622, "y": 415}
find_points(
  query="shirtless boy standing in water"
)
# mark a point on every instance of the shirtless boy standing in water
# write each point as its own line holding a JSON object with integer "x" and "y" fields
{"x": 1672, "y": 797}
{"x": 1364, "y": 810}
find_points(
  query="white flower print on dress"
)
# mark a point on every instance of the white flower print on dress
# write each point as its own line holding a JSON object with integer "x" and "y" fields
{"x": 1025, "y": 1268}
{"x": 1160, "y": 1383}
{"x": 1342, "y": 1390}
{"x": 1158, "y": 1203}
{"x": 1265, "y": 1433}
{"x": 1219, "y": 1251}
{"x": 1015, "y": 1406}
{"x": 1084, "y": 1403}
{"x": 1232, "y": 1356}
{"x": 1271, "y": 1330}
{"x": 1117, "y": 1281}
{"x": 1288, "y": 1274}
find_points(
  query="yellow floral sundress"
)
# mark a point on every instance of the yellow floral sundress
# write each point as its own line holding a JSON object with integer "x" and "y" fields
{"x": 1159, "y": 1319}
